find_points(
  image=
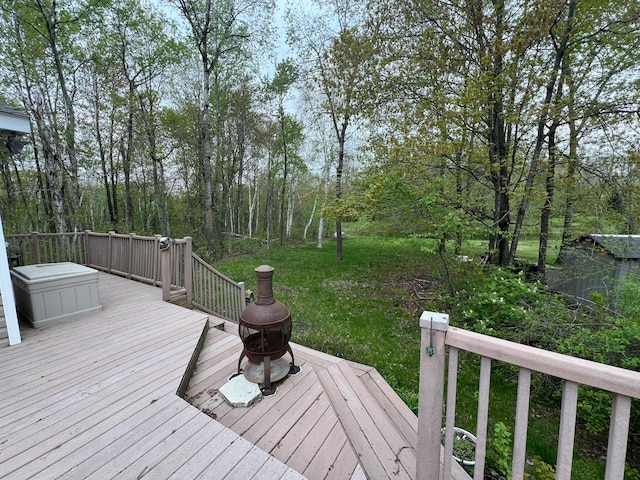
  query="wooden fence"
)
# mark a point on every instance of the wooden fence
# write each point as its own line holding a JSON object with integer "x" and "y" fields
{"x": 159, "y": 261}
{"x": 438, "y": 339}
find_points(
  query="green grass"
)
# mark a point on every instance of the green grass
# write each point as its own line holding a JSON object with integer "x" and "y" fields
{"x": 527, "y": 248}
{"x": 358, "y": 309}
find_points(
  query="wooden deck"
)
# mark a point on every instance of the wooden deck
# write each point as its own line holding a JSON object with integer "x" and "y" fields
{"x": 95, "y": 397}
{"x": 334, "y": 420}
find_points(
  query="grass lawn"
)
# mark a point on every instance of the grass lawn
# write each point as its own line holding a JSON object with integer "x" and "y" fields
{"x": 527, "y": 248}
{"x": 361, "y": 308}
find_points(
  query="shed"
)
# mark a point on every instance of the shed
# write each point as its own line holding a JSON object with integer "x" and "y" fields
{"x": 13, "y": 124}
{"x": 595, "y": 264}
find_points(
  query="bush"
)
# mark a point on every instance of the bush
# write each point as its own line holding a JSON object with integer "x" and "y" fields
{"x": 627, "y": 297}
{"x": 507, "y": 306}
{"x": 499, "y": 452}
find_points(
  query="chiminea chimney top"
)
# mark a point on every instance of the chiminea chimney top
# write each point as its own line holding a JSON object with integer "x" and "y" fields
{"x": 264, "y": 274}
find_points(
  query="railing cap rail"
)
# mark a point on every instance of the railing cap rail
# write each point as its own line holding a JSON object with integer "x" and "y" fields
{"x": 585, "y": 372}
{"x": 199, "y": 260}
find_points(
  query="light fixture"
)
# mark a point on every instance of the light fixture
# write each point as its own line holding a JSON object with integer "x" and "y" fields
{"x": 15, "y": 146}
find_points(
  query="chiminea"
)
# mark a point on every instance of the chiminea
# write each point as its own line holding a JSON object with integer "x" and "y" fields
{"x": 265, "y": 330}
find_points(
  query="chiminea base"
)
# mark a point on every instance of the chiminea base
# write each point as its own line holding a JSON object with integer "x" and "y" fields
{"x": 268, "y": 371}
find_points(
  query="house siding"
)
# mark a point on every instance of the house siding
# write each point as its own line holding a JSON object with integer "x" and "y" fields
{"x": 595, "y": 266}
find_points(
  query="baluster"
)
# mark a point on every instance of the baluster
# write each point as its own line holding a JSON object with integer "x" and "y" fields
{"x": 567, "y": 430}
{"x": 522, "y": 422}
{"x": 452, "y": 387}
{"x": 618, "y": 434}
{"x": 483, "y": 417}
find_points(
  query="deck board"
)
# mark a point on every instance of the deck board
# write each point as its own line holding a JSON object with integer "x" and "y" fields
{"x": 94, "y": 396}
{"x": 370, "y": 463}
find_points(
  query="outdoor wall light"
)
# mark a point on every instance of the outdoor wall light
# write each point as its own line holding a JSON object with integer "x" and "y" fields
{"x": 15, "y": 146}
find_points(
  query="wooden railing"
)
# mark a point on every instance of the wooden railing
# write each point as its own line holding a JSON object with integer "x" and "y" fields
{"x": 437, "y": 336}
{"x": 216, "y": 293}
{"x": 159, "y": 261}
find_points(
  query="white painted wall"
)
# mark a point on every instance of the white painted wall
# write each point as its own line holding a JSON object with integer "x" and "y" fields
{"x": 6, "y": 290}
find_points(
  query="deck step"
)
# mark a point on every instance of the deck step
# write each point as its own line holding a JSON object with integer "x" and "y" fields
{"x": 382, "y": 451}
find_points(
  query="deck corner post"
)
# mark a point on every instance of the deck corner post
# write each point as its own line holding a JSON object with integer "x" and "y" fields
{"x": 165, "y": 271}
{"x": 110, "y": 250}
{"x": 243, "y": 298}
{"x": 87, "y": 247}
{"x": 188, "y": 270}
{"x": 132, "y": 236}
{"x": 157, "y": 274}
{"x": 434, "y": 328}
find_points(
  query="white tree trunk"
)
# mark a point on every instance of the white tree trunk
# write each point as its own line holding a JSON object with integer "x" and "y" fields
{"x": 313, "y": 212}
{"x": 320, "y": 225}
{"x": 325, "y": 197}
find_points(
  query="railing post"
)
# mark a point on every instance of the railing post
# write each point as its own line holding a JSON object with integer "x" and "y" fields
{"x": 188, "y": 269}
{"x": 243, "y": 299}
{"x": 87, "y": 249}
{"x": 109, "y": 250}
{"x": 35, "y": 248}
{"x": 130, "y": 255}
{"x": 165, "y": 269}
{"x": 157, "y": 274}
{"x": 432, "y": 362}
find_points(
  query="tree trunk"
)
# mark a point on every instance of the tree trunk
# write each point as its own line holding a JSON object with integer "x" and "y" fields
{"x": 103, "y": 155}
{"x": 545, "y": 215}
{"x": 290, "y": 209}
{"x": 219, "y": 184}
{"x": 285, "y": 172}
{"x": 268, "y": 217}
{"x": 313, "y": 212}
{"x": 325, "y": 195}
{"x": 53, "y": 24}
{"x": 570, "y": 178}
{"x": 341, "y": 141}
{"x": 206, "y": 161}
{"x": 542, "y": 120}
{"x": 5, "y": 156}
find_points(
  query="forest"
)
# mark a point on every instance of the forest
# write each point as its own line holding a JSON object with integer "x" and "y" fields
{"x": 251, "y": 120}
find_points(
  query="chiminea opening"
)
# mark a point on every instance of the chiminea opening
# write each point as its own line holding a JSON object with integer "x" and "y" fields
{"x": 265, "y": 330}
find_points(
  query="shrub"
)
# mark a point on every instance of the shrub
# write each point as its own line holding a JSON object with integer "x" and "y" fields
{"x": 499, "y": 452}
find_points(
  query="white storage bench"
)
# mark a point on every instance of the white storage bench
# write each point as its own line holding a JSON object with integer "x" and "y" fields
{"x": 50, "y": 292}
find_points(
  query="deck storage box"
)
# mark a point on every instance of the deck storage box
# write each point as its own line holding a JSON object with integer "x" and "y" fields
{"x": 50, "y": 292}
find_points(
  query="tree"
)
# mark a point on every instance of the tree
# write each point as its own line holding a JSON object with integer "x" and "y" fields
{"x": 338, "y": 64}
{"x": 44, "y": 56}
{"x": 290, "y": 131}
{"x": 493, "y": 76}
{"x": 132, "y": 58}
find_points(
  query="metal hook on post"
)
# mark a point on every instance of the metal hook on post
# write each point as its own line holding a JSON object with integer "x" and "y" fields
{"x": 165, "y": 243}
{"x": 431, "y": 350}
